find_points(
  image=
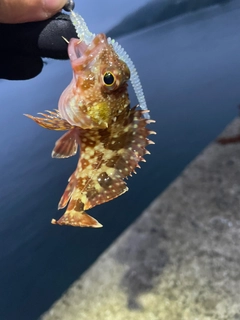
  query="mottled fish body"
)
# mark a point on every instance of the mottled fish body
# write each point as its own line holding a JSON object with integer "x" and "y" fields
{"x": 95, "y": 111}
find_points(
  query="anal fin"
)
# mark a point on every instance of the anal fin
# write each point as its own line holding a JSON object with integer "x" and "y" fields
{"x": 68, "y": 192}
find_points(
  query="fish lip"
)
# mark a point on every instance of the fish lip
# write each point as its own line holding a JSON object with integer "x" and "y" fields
{"x": 76, "y": 49}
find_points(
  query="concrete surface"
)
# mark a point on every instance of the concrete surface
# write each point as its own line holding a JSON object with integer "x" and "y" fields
{"x": 179, "y": 260}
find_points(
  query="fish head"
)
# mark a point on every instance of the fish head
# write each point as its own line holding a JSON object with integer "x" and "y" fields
{"x": 98, "y": 91}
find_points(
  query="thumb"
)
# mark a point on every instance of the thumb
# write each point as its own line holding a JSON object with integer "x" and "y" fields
{"x": 18, "y": 11}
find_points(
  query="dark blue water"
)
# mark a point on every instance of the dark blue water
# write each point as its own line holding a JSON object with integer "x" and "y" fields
{"x": 190, "y": 70}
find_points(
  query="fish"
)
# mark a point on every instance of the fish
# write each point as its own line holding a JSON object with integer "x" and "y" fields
{"x": 95, "y": 112}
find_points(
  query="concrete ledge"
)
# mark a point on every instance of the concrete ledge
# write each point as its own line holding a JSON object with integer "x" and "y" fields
{"x": 179, "y": 260}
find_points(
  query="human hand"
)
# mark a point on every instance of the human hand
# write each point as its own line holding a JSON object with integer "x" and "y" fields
{"x": 23, "y": 44}
{"x": 19, "y": 11}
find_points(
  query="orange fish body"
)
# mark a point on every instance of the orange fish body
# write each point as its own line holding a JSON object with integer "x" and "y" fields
{"x": 95, "y": 109}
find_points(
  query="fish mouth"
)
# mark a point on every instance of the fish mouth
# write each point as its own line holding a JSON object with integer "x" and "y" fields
{"x": 80, "y": 51}
{"x": 76, "y": 49}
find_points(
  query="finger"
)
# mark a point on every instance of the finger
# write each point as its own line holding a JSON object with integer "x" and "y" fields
{"x": 18, "y": 11}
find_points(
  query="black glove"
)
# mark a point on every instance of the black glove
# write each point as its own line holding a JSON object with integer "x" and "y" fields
{"x": 23, "y": 45}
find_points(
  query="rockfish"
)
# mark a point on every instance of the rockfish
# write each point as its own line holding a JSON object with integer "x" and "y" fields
{"x": 95, "y": 111}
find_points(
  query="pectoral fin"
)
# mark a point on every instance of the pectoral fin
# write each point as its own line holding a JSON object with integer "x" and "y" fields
{"x": 66, "y": 146}
{"x": 51, "y": 121}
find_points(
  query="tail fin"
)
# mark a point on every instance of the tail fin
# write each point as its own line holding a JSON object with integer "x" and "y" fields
{"x": 76, "y": 217}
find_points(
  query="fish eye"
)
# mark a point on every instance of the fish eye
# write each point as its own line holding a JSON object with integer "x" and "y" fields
{"x": 108, "y": 78}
